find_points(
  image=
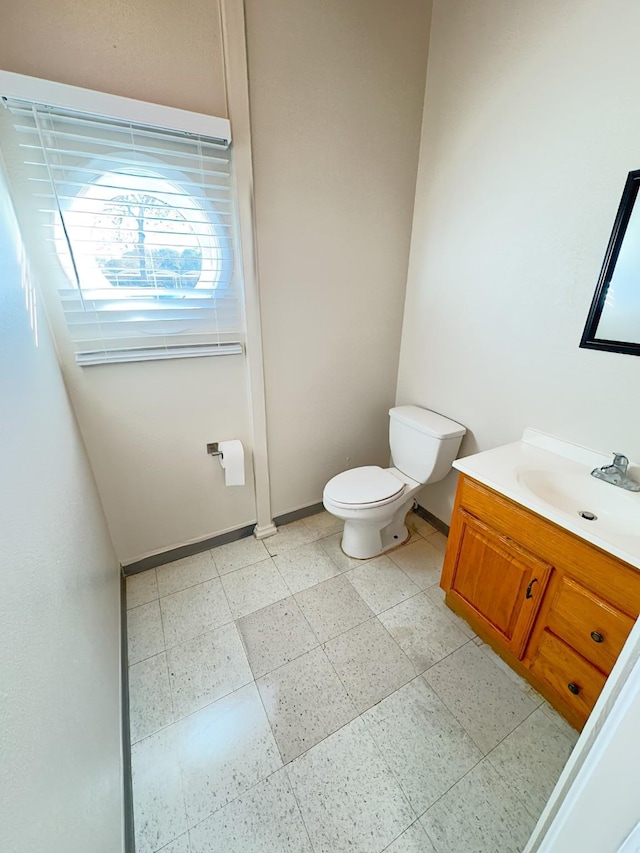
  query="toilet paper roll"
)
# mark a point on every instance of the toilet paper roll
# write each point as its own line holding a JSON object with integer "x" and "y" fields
{"x": 232, "y": 460}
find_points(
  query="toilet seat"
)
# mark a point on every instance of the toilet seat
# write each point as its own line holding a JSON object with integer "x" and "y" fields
{"x": 369, "y": 486}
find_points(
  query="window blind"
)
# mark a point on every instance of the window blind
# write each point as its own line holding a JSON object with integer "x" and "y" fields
{"x": 140, "y": 224}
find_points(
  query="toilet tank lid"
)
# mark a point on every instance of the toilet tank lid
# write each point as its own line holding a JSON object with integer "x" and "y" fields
{"x": 426, "y": 421}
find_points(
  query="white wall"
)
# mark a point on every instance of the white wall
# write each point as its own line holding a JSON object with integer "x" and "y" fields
{"x": 60, "y": 760}
{"x": 530, "y": 127}
{"x": 336, "y": 94}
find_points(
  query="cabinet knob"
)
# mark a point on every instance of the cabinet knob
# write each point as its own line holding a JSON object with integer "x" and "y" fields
{"x": 597, "y": 637}
{"x": 573, "y": 687}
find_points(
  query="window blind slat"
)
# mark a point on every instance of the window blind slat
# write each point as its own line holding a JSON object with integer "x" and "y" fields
{"x": 140, "y": 225}
{"x": 199, "y": 149}
{"x": 24, "y": 110}
{"x": 109, "y": 158}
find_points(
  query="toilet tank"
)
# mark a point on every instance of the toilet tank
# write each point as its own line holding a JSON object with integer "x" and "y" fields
{"x": 423, "y": 444}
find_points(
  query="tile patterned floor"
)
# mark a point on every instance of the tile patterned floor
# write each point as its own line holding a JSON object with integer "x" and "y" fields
{"x": 288, "y": 699}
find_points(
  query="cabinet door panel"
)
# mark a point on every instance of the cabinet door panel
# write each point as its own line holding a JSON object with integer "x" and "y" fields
{"x": 499, "y": 580}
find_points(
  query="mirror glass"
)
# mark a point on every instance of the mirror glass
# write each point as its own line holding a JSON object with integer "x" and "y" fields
{"x": 614, "y": 318}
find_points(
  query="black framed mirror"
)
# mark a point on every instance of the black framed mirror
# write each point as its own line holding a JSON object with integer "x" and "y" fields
{"x": 613, "y": 323}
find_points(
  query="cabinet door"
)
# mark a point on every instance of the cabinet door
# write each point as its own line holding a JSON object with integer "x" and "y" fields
{"x": 499, "y": 581}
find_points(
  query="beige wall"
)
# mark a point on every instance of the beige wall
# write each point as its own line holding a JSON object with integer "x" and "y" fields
{"x": 145, "y": 425}
{"x": 163, "y": 51}
{"x": 336, "y": 99}
{"x": 60, "y": 766}
{"x": 530, "y": 128}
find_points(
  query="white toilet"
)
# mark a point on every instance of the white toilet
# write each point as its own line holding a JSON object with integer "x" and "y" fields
{"x": 374, "y": 502}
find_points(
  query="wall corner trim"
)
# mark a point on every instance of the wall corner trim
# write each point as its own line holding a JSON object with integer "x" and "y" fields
{"x": 234, "y": 48}
{"x": 265, "y": 532}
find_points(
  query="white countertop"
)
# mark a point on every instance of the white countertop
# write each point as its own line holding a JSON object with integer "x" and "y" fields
{"x": 553, "y": 478}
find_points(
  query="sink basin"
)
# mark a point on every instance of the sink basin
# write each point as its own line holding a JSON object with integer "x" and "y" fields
{"x": 617, "y": 511}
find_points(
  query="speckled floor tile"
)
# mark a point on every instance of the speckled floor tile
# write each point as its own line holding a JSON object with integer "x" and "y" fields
{"x": 331, "y": 546}
{"x": 369, "y": 662}
{"x": 254, "y": 587}
{"x": 141, "y": 588}
{"x": 381, "y": 583}
{"x": 412, "y": 840}
{"x": 150, "y": 706}
{"x": 275, "y": 635}
{"x": 225, "y": 749}
{"x": 563, "y": 725}
{"x": 422, "y": 742}
{"x": 324, "y": 523}
{"x": 417, "y": 523}
{"x": 333, "y": 607}
{"x": 206, "y": 668}
{"x": 479, "y": 695}
{"x": 438, "y": 540}
{"x": 511, "y": 674}
{"x": 436, "y": 596}
{"x": 159, "y": 809}
{"x": 480, "y": 814}
{"x": 237, "y": 555}
{"x": 349, "y": 799}
{"x": 264, "y": 820}
{"x": 531, "y": 758}
{"x": 305, "y": 566}
{"x": 193, "y": 611}
{"x": 180, "y": 845}
{"x": 181, "y": 574}
{"x": 144, "y": 632}
{"x": 423, "y": 633}
{"x": 420, "y": 561}
{"x": 305, "y": 701}
{"x": 290, "y": 536}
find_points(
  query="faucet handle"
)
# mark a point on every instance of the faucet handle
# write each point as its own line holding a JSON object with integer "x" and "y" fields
{"x": 620, "y": 461}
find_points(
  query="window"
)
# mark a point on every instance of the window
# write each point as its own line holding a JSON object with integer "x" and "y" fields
{"x": 141, "y": 223}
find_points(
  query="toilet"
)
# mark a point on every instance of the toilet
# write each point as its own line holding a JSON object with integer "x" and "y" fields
{"x": 373, "y": 502}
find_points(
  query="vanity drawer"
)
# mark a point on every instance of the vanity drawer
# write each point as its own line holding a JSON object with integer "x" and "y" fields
{"x": 575, "y": 680}
{"x": 592, "y": 626}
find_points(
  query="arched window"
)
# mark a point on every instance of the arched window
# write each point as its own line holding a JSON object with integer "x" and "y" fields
{"x": 140, "y": 231}
{"x": 142, "y": 221}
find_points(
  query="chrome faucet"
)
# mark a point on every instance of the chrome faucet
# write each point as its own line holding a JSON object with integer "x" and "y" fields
{"x": 616, "y": 474}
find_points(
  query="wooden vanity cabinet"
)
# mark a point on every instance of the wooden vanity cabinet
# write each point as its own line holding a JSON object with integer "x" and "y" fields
{"x": 555, "y": 607}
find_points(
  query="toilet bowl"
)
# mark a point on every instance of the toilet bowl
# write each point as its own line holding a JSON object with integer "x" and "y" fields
{"x": 373, "y": 502}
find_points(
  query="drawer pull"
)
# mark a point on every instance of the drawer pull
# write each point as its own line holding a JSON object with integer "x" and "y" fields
{"x": 597, "y": 637}
{"x": 528, "y": 593}
{"x": 573, "y": 687}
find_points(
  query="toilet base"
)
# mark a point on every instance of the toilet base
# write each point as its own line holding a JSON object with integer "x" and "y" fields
{"x": 363, "y": 539}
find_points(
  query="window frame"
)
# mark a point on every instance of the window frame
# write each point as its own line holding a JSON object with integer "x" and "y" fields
{"x": 157, "y": 117}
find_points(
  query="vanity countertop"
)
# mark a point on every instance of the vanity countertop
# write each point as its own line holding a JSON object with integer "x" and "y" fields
{"x": 552, "y": 478}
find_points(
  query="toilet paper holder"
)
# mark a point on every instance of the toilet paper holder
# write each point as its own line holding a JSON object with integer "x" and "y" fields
{"x": 212, "y": 449}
